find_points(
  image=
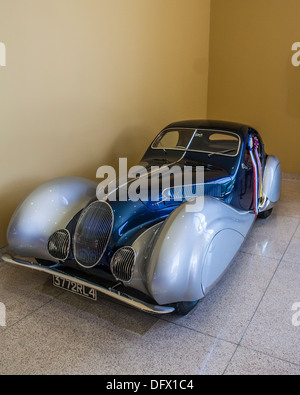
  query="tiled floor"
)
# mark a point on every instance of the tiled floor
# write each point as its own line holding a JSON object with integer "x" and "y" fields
{"x": 244, "y": 326}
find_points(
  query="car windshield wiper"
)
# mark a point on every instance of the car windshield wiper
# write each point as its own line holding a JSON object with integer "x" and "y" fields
{"x": 162, "y": 147}
{"x": 221, "y": 152}
{"x": 166, "y": 159}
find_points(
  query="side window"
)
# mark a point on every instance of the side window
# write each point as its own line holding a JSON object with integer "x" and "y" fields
{"x": 169, "y": 140}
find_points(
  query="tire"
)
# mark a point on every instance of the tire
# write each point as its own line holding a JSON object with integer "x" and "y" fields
{"x": 265, "y": 214}
{"x": 183, "y": 308}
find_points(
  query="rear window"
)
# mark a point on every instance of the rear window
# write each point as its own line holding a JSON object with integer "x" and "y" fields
{"x": 207, "y": 141}
{"x": 221, "y": 143}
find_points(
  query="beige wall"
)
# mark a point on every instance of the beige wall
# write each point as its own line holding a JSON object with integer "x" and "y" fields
{"x": 251, "y": 77}
{"x": 89, "y": 81}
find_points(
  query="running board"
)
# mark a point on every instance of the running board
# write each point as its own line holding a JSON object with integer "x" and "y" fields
{"x": 120, "y": 296}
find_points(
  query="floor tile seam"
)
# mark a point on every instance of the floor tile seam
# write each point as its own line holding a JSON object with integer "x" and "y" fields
{"x": 259, "y": 255}
{"x": 219, "y": 338}
{"x": 8, "y": 328}
{"x": 289, "y": 242}
{"x": 267, "y": 287}
{"x": 268, "y": 354}
{"x": 289, "y": 216}
{"x": 240, "y": 346}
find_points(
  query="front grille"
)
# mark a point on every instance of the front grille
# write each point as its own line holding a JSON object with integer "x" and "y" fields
{"x": 92, "y": 233}
{"x": 122, "y": 264}
{"x": 59, "y": 244}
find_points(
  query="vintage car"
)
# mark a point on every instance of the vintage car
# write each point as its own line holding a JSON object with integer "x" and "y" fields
{"x": 164, "y": 253}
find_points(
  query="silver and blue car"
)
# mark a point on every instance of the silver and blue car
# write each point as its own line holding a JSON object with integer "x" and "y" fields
{"x": 164, "y": 249}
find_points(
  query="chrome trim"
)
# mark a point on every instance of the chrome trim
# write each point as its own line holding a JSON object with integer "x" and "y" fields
{"x": 114, "y": 293}
{"x": 76, "y": 234}
{"x": 123, "y": 271}
{"x": 192, "y": 138}
{"x": 184, "y": 192}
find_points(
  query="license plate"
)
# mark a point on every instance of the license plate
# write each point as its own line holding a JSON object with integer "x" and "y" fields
{"x": 74, "y": 287}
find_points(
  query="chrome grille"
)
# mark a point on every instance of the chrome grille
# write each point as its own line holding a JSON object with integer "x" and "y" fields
{"x": 59, "y": 244}
{"x": 122, "y": 264}
{"x": 92, "y": 233}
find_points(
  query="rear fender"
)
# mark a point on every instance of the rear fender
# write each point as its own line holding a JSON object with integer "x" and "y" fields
{"x": 271, "y": 183}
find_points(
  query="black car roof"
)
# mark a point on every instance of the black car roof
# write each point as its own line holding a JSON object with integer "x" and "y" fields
{"x": 239, "y": 128}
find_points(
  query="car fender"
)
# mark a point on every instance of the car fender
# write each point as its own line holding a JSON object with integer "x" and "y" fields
{"x": 49, "y": 208}
{"x": 193, "y": 249}
{"x": 271, "y": 183}
{"x": 143, "y": 247}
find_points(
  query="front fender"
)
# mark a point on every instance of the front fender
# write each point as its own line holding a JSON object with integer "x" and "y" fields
{"x": 193, "y": 250}
{"x": 47, "y": 209}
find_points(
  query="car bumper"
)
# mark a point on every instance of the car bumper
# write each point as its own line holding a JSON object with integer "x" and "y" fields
{"x": 57, "y": 270}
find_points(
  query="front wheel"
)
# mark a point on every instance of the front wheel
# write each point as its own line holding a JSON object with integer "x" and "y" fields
{"x": 183, "y": 308}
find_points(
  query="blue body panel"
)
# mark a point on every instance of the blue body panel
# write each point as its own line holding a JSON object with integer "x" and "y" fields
{"x": 226, "y": 178}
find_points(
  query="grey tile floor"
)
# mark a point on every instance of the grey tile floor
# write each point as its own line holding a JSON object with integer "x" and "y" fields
{"x": 244, "y": 326}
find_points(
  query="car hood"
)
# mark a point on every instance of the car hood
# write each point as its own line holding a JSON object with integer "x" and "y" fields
{"x": 159, "y": 191}
{"x": 132, "y": 217}
{"x": 166, "y": 181}
{"x": 153, "y": 196}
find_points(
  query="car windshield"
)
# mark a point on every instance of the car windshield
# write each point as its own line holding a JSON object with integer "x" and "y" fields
{"x": 212, "y": 142}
